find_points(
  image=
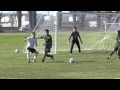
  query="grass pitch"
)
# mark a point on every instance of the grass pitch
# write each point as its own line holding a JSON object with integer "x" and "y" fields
{"x": 89, "y": 65}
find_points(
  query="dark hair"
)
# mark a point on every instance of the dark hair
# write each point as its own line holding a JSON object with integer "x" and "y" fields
{"x": 118, "y": 32}
{"x": 47, "y": 30}
{"x": 75, "y": 28}
{"x": 33, "y": 32}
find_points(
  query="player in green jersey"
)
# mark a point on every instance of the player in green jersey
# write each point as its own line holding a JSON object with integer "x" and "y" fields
{"x": 48, "y": 45}
{"x": 117, "y": 46}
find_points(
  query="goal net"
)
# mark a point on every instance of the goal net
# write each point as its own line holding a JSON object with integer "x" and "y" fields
{"x": 98, "y": 31}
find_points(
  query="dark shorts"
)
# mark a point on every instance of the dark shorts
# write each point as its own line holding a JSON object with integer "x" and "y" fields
{"x": 48, "y": 48}
{"x": 32, "y": 50}
{"x": 116, "y": 48}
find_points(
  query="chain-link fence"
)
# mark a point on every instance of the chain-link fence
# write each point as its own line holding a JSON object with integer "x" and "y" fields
{"x": 97, "y": 30}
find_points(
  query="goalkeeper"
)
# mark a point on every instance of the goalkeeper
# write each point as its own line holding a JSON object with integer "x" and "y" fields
{"x": 48, "y": 45}
{"x": 75, "y": 34}
{"x": 116, "y": 47}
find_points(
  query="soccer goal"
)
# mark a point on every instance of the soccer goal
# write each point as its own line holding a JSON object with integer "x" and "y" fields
{"x": 97, "y": 30}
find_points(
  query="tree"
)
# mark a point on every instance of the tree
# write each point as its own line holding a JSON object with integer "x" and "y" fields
{"x": 98, "y": 20}
{"x": 118, "y": 18}
{"x": 1, "y": 15}
{"x": 108, "y": 18}
{"x": 59, "y": 19}
{"x": 1, "y": 18}
{"x": 19, "y": 15}
{"x": 32, "y": 18}
{"x": 82, "y": 24}
{"x": 74, "y": 18}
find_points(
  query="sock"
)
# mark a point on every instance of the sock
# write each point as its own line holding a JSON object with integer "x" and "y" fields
{"x": 36, "y": 55}
{"x": 28, "y": 55}
{"x": 111, "y": 53}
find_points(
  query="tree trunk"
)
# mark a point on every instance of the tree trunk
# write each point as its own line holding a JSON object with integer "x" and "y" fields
{"x": 33, "y": 19}
{"x": 108, "y": 20}
{"x": 74, "y": 18}
{"x": 19, "y": 15}
{"x": 79, "y": 21}
{"x": 0, "y": 19}
{"x": 98, "y": 20}
{"x": 59, "y": 19}
{"x": 82, "y": 21}
{"x": 118, "y": 18}
{"x": 30, "y": 18}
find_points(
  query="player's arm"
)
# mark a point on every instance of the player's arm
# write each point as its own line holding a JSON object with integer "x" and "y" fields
{"x": 80, "y": 38}
{"x": 70, "y": 38}
{"x": 42, "y": 37}
{"x": 36, "y": 44}
{"x": 25, "y": 39}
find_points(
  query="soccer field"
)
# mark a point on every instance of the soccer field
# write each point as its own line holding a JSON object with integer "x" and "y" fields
{"x": 91, "y": 64}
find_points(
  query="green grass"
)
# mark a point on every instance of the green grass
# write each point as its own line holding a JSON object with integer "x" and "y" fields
{"x": 89, "y": 65}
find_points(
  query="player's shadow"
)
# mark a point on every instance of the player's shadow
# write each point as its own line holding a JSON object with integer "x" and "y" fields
{"x": 84, "y": 61}
{"x": 55, "y": 62}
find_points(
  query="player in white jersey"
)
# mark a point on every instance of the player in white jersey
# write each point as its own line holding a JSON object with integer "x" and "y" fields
{"x": 31, "y": 41}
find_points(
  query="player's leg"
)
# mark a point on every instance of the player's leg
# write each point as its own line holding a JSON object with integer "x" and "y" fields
{"x": 115, "y": 50}
{"x": 118, "y": 52}
{"x": 78, "y": 45}
{"x": 71, "y": 48}
{"x": 48, "y": 55}
{"x": 44, "y": 55}
{"x": 110, "y": 54}
{"x": 35, "y": 52}
{"x": 28, "y": 55}
{"x": 35, "y": 56}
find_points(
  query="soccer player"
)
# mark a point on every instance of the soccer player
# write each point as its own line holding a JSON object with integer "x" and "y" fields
{"x": 115, "y": 50}
{"x": 118, "y": 44}
{"x": 48, "y": 45}
{"x": 31, "y": 41}
{"x": 116, "y": 47}
{"x": 75, "y": 34}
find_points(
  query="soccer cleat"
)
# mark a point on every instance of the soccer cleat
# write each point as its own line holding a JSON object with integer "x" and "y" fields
{"x": 42, "y": 60}
{"x": 108, "y": 57}
{"x": 80, "y": 53}
{"x": 52, "y": 57}
{"x": 28, "y": 60}
{"x": 70, "y": 53}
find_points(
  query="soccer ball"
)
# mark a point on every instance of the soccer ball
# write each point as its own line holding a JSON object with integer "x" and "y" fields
{"x": 17, "y": 50}
{"x": 71, "y": 60}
